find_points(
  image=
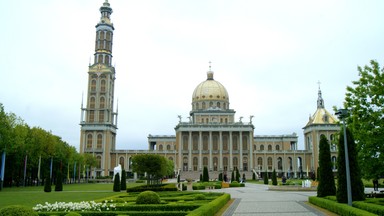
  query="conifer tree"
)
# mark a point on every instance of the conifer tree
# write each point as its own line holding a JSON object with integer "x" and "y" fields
{"x": 116, "y": 183}
{"x": 59, "y": 181}
{"x": 265, "y": 177}
{"x": 357, "y": 187}
{"x": 205, "y": 174}
{"x": 123, "y": 184}
{"x": 233, "y": 176}
{"x": 274, "y": 177}
{"x": 237, "y": 175}
{"x": 326, "y": 185}
{"x": 47, "y": 185}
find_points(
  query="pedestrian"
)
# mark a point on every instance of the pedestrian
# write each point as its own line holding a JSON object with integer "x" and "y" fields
{"x": 375, "y": 184}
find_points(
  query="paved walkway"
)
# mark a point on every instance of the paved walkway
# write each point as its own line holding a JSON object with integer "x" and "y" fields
{"x": 256, "y": 199}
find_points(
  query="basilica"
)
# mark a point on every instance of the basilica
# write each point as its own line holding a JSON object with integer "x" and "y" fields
{"x": 211, "y": 137}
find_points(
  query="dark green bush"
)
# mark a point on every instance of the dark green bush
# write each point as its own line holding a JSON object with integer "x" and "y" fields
{"x": 73, "y": 214}
{"x": 116, "y": 183}
{"x": 374, "y": 208}
{"x": 148, "y": 197}
{"x": 160, "y": 187}
{"x": 17, "y": 210}
{"x": 47, "y": 185}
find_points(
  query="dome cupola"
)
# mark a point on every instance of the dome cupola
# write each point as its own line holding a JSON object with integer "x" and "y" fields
{"x": 210, "y": 94}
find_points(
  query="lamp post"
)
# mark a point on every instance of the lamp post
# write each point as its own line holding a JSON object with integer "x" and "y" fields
{"x": 342, "y": 114}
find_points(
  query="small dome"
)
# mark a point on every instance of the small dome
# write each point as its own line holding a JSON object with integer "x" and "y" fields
{"x": 210, "y": 90}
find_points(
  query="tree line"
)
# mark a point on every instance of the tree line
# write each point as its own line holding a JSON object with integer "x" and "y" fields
{"x": 31, "y": 154}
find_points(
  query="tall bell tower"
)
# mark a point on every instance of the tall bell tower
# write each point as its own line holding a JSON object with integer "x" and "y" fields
{"x": 98, "y": 120}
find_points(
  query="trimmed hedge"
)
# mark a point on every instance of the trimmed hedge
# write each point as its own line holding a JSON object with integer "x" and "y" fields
{"x": 338, "y": 208}
{"x": 211, "y": 208}
{"x": 18, "y": 210}
{"x": 115, "y": 213}
{"x": 377, "y": 209}
{"x": 157, "y": 188}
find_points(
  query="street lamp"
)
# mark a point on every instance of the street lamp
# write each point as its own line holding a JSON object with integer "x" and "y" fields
{"x": 342, "y": 114}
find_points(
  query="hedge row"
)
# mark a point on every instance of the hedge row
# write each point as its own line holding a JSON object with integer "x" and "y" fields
{"x": 159, "y": 207}
{"x": 114, "y": 213}
{"x": 374, "y": 208}
{"x": 162, "y": 187}
{"x": 211, "y": 208}
{"x": 338, "y": 208}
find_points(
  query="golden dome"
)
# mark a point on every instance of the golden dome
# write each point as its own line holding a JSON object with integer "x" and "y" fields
{"x": 210, "y": 90}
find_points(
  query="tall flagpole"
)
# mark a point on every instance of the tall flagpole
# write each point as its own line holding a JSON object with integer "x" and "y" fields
{"x": 25, "y": 168}
{"x": 2, "y": 169}
{"x": 38, "y": 171}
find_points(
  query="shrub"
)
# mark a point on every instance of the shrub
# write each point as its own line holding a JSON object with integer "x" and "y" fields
{"x": 17, "y": 210}
{"x": 116, "y": 183}
{"x": 274, "y": 177}
{"x": 123, "y": 183}
{"x": 265, "y": 177}
{"x": 59, "y": 181}
{"x": 148, "y": 197}
{"x": 200, "y": 197}
{"x": 213, "y": 207}
{"x": 205, "y": 174}
{"x": 338, "y": 208}
{"x": 47, "y": 185}
{"x": 253, "y": 176}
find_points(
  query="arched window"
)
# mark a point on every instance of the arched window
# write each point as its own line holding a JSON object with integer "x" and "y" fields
{"x": 205, "y": 143}
{"x": 260, "y": 163}
{"x": 245, "y": 143}
{"x": 102, "y": 102}
{"x": 245, "y": 163}
{"x": 205, "y": 161}
{"x": 211, "y": 104}
{"x": 99, "y": 141}
{"x": 195, "y": 163}
{"x": 101, "y": 116}
{"x": 121, "y": 162}
{"x": 185, "y": 164}
{"x": 102, "y": 88}
{"x": 235, "y": 163}
{"x": 225, "y": 143}
{"x": 234, "y": 143}
{"x": 195, "y": 143}
{"x": 262, "y": 147}
{"x": 185, "y": 142}
{"x": 89, "y": 141}
{"x": 225, "y": 163}
{"x": 215, "y": 163}
{"x": 269, "y": 163}
{"x": 160, "y": 147}
{"x": 215, "y": 143}
{"x": 277, "y": 147}
{"x": 91, "y": 116}
{"x": 218, "y": 105}
{"x": 269, "y": 147}
{"x": 279, "y": 163}
{"x": 334, "y": 162}
{"x": 93, "y": 85}
{"x": 168, "y": 147}
{"x": 92, "y": 102}
{"x": 203, "y": 105}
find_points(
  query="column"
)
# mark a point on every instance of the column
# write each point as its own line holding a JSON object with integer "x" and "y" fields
{"x": 190, "y": 151}
{"x": 241, "y": 151}
{"x": 250, "y": 151}
{"x": 210, "y": 151}
{"x": 180, "y": 151}
{"x": 200, "y": 151}
{"x": 230, "y": 152}
{"x": 220, "y": 152}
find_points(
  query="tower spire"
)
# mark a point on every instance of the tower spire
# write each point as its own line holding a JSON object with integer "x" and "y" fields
{"x": 210, "y": 72}
{"x": 104, "y": 36}
{"x": 320, "y": 101}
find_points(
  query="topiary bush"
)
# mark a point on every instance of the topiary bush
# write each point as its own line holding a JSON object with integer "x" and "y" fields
{"x": 73, "y": 214}
{"x": 17, "y": 210}
{"x": 200, "y": 197}
{"x": 148, "y": 197}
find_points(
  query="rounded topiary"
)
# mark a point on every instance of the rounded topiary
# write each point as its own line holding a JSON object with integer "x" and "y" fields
{"x": 148, "y": 197}
{"x": 200, "y": 197}
{"x": 17, "y": 210}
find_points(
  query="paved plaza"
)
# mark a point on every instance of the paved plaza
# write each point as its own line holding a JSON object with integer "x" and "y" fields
{"x": 256, "y": 199}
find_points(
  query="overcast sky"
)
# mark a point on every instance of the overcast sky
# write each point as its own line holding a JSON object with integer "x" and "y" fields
{"x": 269, "y": 55}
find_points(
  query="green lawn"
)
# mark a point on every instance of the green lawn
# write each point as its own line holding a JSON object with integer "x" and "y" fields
{"x": 30, "y": 196}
